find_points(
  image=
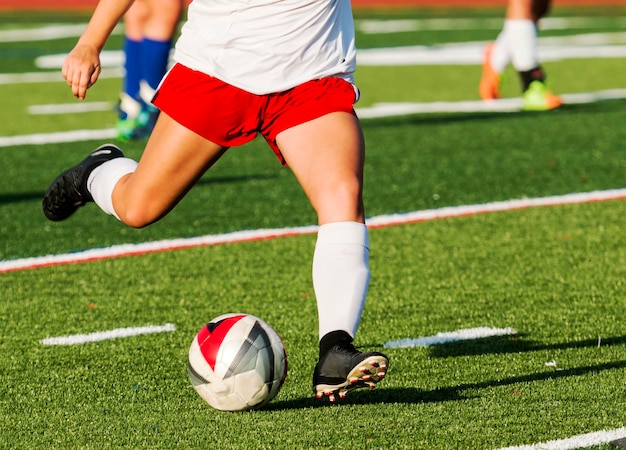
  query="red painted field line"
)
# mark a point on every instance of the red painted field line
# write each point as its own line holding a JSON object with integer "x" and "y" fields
{"x": 117, "y": 251}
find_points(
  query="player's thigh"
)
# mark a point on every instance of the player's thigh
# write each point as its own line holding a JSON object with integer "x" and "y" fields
{"x": 135, "y": 19}
{"x": 172, "y": 162}
{"x": 327, "y": 155}
{"x": 519, "y": 9}
{"x": 163, "y": 19}
{"x": 527, "y": 9}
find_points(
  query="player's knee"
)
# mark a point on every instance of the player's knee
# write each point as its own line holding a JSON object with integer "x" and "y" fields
{"x": 349, "y": 188}
{"x": 138, "y": 217}
{"x": 342, "y": 201}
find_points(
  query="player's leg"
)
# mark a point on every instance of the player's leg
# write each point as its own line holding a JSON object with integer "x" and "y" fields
{"x": 149, "y": 29}
{"x": 163, "y": 19}
{"x": 521, "y": 38}
{"x": 517, "y": 43}
{"x": 498, "y": 55}
{"x": 173, "y": 160}
{"x": 536, "y": 95}
{"x": 138, "y": 194}
{"x": 519, "y": 9}
{"x": 521, "y": 30}
{"x": 326, "y": 155}
{"x": 158, "y": 31}
{"x": 188, "y": 138}
{"x": 129, "y": 106}
{"x": 521, "y": 27}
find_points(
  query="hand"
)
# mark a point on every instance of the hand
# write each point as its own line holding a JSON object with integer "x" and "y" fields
{"x": 81, "y": 69}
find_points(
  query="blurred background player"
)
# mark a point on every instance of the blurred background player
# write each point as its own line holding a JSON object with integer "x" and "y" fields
{"x": 149, "y": 27}
{"x": 517, "y": 44}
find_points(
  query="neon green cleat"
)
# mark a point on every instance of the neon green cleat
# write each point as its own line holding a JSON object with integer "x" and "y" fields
{"x": 125, "y": 129}
{"x": 128, "y": 110}
{"x": 539, "y": 98}
{"x": 136, "y": 119}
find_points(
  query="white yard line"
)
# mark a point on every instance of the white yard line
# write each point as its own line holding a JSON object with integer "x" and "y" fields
{"x": 375, "y": 111}
{"x": 471, "y": 53}
{"x": 450, "y": 336}
{"x": 45, "y": 33}
{"x": 592, "y": 45}
{"x": 70, "y": 108}
{"x": 61, "y": 31}
{"x": 589, "y": 45}
{"x": 77, "y": 339}
{"x": 51, "y": 76}
{"x": 574, "y": 442}
{"x": 58, "y": 137}
{"x": 116, "y": 251}
{"x": 501, "y": 105}
{"x": 374, "y": 26}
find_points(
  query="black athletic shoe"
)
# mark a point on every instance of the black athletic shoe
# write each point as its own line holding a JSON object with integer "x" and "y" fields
{"x": 69, "y": 190}
{"x": 343, "y": 368}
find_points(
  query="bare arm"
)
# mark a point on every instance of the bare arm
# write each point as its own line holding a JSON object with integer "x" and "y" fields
{"x": 82, "y": 65}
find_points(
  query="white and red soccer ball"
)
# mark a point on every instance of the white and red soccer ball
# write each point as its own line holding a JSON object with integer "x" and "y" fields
{"x": 237, "y": 362}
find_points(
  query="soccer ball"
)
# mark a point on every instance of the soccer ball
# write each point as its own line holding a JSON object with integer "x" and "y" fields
{"x": 237, "y": 362}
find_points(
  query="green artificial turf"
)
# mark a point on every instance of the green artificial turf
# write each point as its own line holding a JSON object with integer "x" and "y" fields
{"x": 553, "y": 274}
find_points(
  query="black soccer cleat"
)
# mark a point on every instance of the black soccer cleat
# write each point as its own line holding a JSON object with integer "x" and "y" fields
{"x": 343, "y": 368}
{"x": 69, "y": 190}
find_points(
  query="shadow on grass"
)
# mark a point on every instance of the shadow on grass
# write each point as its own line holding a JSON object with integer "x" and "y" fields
{"x": 18, "y": 197}
{"x": 417, "y": 396}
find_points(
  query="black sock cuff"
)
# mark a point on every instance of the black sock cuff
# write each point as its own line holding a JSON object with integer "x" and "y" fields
{"x": 333, "y": 338}
{"x": 528, "y": 76}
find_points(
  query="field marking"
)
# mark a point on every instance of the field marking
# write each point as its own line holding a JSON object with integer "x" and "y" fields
{"x": 116, "y": 251}
{"x": 471, "y": 54}
{"x": 78, "y": 339}
{"x": 446, "y": 337}
{"x": 378, "y": 26}
{"x": 591, "y": 45}
{"x": 70, "y": 108}
{"x": 47, "y": 32}
{"x": 367, "y": 26}
{"x": 574, "y": 442}
{"x": 483, "y": 208}
{"x": 42, "y": 33}
{"x": 377, "y": 110}
{"x": 58, "y": 137}
{"x": 51, "y": 77}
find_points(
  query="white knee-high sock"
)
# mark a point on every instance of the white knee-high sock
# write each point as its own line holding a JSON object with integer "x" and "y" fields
{"x": 501, "y": 54}
{"x": 341, "y": 275}
{"x": 102, "y": 181}
{"x": 516, "y": 44}
{"x": 523, "y": 43}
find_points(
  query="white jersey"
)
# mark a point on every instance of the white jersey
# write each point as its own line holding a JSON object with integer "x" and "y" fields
{"x": 266, "y": 46}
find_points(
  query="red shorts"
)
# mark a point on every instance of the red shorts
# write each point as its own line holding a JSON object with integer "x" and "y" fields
{"x": 229, "y": 116}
